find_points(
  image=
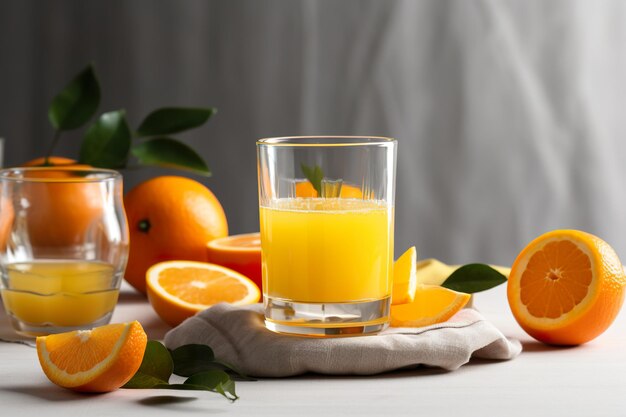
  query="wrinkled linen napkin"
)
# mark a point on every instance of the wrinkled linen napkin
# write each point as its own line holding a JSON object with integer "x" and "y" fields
{"x": 238, "y": 336}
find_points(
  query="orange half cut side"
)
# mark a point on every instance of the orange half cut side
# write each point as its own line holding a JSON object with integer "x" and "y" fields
{"x": 180, "y": 289}
{"x": 566, "y": 287}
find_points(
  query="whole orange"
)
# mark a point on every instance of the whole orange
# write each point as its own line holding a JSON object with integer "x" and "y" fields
{"x": 170, "y": 218}
{"x": 60, "y": 213}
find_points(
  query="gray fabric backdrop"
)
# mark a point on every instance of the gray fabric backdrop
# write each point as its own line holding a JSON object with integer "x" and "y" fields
{"x": 509, "y": 114}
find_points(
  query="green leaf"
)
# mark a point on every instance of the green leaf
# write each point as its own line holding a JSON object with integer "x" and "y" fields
{"x": 107, "y": 141}
{"x": 474, "y": 278}
{"x": 217, "y": 381}
{"x": 226, "y": 389}
{"x": 314, "y": 175}
{"x": 141, "y": 380}
{"x": 208, "y": 379}
{"x": 191, "y": 359}
{"x": 170, "y": 120}
{"x": 77, "y": 103}
{"x": 156, "y": 367}
{"x": 170, "y": 153}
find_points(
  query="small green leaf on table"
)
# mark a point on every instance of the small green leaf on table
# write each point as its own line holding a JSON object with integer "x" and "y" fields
{"x": 226, "y": 389}
{"x": 107, "y": 141}
{"x": 193, "y": 358}
{"x": 215, "y": 380}
{"x": 156, "y": 368}
{"x": 159, "y": 363}
{"x": 77, "y": 103}
{"x": 170, "y": 120}
{"x": 314, "y": 175}
{"x": 170, "y": 153}
{"x": 472, "y": 278}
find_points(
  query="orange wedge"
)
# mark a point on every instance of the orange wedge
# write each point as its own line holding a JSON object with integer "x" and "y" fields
{"x": 180, "y": 289}
{"x": 404, "y": 277}
{"x": 566, "y": 287}
{"x": 98, "y": 360}
{"x": 241, "y": 253}
{"x": 430, "y": 305}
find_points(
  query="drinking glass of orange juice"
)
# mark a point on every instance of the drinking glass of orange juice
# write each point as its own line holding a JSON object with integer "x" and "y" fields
{"x": 63, "y": 247}
{"x": 326, "y": 212}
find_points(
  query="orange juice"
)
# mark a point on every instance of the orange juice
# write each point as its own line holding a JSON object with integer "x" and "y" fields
{"x": 333, "y": 250}
{"x": 59, "y": 293}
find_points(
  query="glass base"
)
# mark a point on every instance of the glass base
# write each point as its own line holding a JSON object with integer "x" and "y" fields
{"x": 326, "y": 319}
{"x": 44, "y": 329}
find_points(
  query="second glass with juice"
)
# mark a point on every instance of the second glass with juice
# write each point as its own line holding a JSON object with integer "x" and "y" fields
{"x": 327, "y": 256}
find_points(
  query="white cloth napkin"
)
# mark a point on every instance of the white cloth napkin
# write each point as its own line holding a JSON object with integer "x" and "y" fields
{"x": 238, "y": 336}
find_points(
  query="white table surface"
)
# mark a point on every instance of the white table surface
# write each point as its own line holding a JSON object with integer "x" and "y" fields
{"x": 588, "y": 380}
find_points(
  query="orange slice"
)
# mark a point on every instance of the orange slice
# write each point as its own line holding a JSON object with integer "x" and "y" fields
{"x": 98, "y": 360}
{"x": 566, "y": 287}
{"x": 404, "y": 277}
{"x": 305, "y": 189}
{"x": 180, "y": 289}
{"x": 241, "y": 253}
{"x": 430, "y": 305}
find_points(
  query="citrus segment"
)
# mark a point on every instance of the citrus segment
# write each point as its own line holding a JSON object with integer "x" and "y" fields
{"x": 566, "y": 287}
{"x": 241, "y": 253}
{"x": 431, "y": 305}
{"x": 404, "y": 277}
{"x": 98, "y": 360}
{"x": 179, "y": 289}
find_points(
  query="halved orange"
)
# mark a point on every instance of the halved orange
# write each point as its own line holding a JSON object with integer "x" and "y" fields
{"x": 98, "y": 360}
{"x": 179, "y": 289}
{"x": 431, "y": 304}
{"x": 566, "y": 287}
{"x": 241, "y": 253}
{"x": 404, "y": 277}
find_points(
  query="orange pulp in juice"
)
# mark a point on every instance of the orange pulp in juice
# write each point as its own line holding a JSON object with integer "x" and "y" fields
{"x": 332, "y": 250}
{"x": 59, "y": 293}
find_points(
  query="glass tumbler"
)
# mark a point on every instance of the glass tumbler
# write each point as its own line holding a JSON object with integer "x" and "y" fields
{"x": 63, "y": 247}
{"x": 327, "y": 221}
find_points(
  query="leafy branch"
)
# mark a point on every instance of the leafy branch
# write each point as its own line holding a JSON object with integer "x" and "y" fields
{"x": 109, "y": 141}
{"x": 197, "y": 362}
